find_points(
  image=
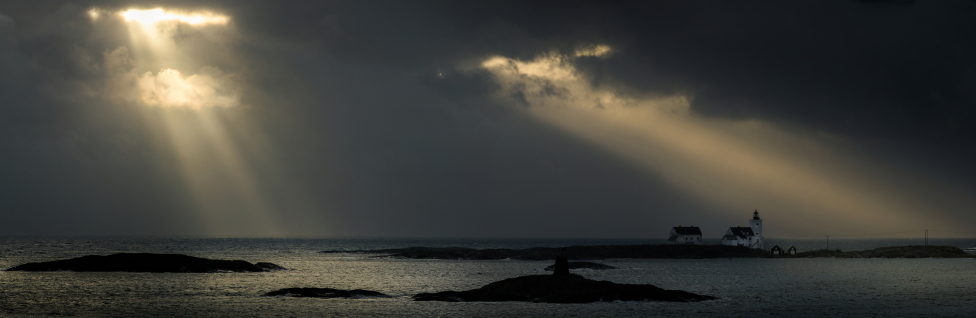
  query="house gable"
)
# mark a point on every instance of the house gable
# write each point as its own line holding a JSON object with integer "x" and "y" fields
{"x": 685, "y": 235}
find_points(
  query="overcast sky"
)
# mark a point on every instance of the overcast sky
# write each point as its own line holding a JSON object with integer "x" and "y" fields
{"x": 486, "y": 118}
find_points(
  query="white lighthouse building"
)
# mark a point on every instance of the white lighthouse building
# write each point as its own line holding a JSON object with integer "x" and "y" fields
{"x": 745, "y": 236}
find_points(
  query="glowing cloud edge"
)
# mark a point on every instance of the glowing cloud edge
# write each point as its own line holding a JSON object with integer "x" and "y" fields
{"x": 157, "y": 15}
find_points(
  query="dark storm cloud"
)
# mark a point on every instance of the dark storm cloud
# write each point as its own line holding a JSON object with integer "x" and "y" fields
{"x": 878, "y": 68}
{"x": 381, "y": 123}
{"x": 72, "y": 163}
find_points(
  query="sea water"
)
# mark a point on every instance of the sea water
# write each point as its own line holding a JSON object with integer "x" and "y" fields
{"x": 746, "y": 287}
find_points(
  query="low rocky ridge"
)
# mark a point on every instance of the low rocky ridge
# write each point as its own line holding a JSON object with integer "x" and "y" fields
{"x": 562, "y": 289}
{"x": 326, "y": 293}
{"x": 575, "y": 252}
{"x": 145, "y": 262}
{"x": 583, "y": 265}
{"x": 894, "y": 252}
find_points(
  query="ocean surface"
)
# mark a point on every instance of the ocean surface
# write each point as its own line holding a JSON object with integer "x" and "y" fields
{"x": 746, "y": 287}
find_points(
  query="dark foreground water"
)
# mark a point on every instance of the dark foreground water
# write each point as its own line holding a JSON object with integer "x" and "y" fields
{"x": 747, "y": 287}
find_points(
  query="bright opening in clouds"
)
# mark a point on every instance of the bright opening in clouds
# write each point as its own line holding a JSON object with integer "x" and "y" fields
{"x": 160, "y": 15}
{"x": 166, "y": 68}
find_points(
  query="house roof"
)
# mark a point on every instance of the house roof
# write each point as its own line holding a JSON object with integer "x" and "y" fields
{"x": 687, "y": 230}
{"x": 776, "y": 247}
{"x": 742, "y": 231}
{"x": 673, "y": 238}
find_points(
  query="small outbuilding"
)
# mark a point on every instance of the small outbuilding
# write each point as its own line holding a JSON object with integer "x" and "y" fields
{"x": 776, "y": 250}
{"x": 685, "y": 235}
{"x": 791, "y": 250}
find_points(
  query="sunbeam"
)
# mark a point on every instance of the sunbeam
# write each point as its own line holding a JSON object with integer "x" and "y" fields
{"x": 190, "y": 112}
{"x": 734, "y": 165}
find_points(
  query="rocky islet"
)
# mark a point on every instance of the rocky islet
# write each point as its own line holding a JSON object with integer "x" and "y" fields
{"x": 146, "y": 262}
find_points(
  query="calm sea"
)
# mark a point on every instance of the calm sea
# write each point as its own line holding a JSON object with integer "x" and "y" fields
{"x": 747, "y": 287}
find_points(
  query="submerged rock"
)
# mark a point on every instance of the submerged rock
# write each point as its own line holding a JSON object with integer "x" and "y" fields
{"x": 141, "y": 262}
{"x": 269, "y": 266}
{"x": 579, "y": 265}
{"x": 562, "y": 289}
{"x": 326, "y": 293}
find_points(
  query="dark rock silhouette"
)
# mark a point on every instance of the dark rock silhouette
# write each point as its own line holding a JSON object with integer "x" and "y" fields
{"x": 569, "y": 288}
{"x": 561, "y": 267}
{"x": 325, "y": 293}
{"x": 142, "y": 262}
{"x": 578, "y": 252}
{"x": 580, "y": 265}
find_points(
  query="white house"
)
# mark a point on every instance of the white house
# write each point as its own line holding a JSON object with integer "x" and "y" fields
{"x": 745, "y": 236}
{"x": 685, "y": 235}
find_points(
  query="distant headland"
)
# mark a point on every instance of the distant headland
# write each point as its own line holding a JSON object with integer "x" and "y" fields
{"x": 683, "y": 242}
{"x": 668, "y": 251}
{"x": 573, "y": 252}
{"x": 929, "y": 251}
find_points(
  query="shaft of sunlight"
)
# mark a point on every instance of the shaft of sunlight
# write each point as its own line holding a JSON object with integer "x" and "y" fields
{"x": 735, "y": 166}
{"x": 191, "y": 108}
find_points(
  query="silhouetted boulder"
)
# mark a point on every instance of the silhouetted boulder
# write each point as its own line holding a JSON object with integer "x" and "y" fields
{"x": 326, "y": 293}
{"x": 141, "y": 262}
{"x": 561, "y": 267}
{"x": 569, "y": 288}
{"x": 581, "y": 265}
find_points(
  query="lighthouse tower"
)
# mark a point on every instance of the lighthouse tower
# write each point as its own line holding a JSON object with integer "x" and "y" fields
{"x": 756, "y": 224}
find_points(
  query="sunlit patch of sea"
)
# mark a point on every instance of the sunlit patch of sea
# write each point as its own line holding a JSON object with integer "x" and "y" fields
{"x": 747, "y": 287}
